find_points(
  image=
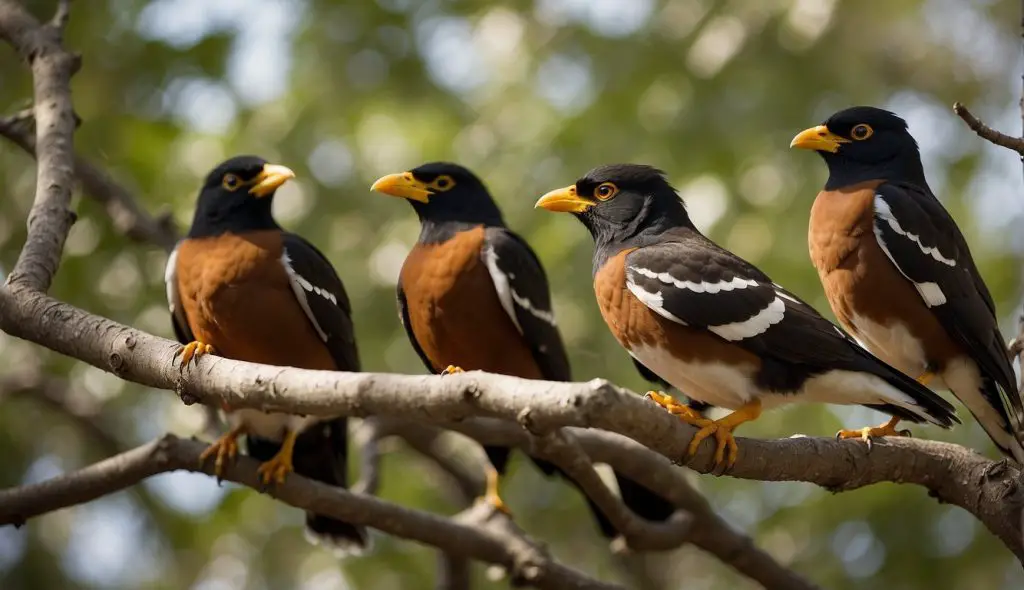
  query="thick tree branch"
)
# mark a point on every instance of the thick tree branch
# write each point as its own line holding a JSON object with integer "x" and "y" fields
{"x": 52, "y": 67}
{"x": 991, "y": 491}
{"x": 477, "y": 532}
{"x": 987, "y": 133}
{"x": 128, "y": 217}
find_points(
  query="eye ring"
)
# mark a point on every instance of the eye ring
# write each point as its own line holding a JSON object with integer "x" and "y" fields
{"x": 231, "y": 182}
{"x": 605, "y": 191}
{"x": 443, "y": 183}
{"x": 861, "y": 131}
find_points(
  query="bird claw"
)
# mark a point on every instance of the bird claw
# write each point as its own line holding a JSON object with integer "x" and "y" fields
{"x": 224, "y": 449}
{"x": 451, "y": 370}
{"x": 726, "y": 449}
{"x": 870, "y": 432}
{"x": 275, "y": 470}
{"x": 192, "y": 351}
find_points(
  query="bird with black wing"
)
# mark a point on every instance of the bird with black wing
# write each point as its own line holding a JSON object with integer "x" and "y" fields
{"x": 472, "y": 295}
{"x": 899, "y": 275}
{"x": 712, "y": 324}
{"x": 241, "y": 287}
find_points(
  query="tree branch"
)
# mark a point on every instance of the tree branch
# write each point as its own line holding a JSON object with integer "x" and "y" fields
{"x": 707, "y": 530}
{"x": 987, "y": 133}
{"x": 477, "y": 532}
{"x": 128, "y": 217}
{"x": 52, "y": 67}
{"x": 989, "y": 490}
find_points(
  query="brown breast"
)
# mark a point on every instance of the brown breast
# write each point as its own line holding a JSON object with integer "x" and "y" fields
{"x": 861, "y": 282}
{"x": 237, "y": 297}
{"x": 454, "y": 311}
{"x": 634, "y": 324}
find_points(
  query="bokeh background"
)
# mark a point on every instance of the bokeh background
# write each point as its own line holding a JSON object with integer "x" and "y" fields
{"x": 530, "y": 95}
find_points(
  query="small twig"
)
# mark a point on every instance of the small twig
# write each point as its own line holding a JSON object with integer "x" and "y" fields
{"x": 58, "y": 395}
{"x": 987, "y": 133}
{"x": 560, "y": 447}
{"x": 62, "y": 16}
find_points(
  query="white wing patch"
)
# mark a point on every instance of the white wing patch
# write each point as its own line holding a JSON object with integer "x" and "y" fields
{"x": 655, "y": 301}
{"x": 883, "y": 211}
{"x": 300, "y": 286}
{"x": 508, "y": 296}
{"x": 171, "y": 280}
{"x": 758, "y": 324}
{"x": 702, "y": 287}
{"x": 929, "y": 291}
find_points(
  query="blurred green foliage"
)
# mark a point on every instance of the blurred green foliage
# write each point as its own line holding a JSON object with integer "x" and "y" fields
{"x": 530, "y": 95}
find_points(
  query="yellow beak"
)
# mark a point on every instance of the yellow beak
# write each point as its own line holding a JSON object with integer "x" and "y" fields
{"x": 403, "y": 185}
{"x": 564, "y": 200}
{"x": 819, "y": 139}
{"x": 271, "y": 177}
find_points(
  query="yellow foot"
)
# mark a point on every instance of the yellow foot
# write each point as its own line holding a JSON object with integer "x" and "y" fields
{"x": 224, "y": 449}
{"x": 925, "y": 378}
{"x": 491, "y": 495}
{"x": 726, "y": 449}
{"x": 683, "y": 411}
{"x": 192, "y": 351}
{"x": 866, "y": 434}
{"x": 451, "y": 370}
{"x": 280, "y": 465}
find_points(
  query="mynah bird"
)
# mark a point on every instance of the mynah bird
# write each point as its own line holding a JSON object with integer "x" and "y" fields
{"x": 241, "y": 287}
{"x": 712, "y": 324}
{"x": 473, "y": 295}
{"x": 899, "y": 275}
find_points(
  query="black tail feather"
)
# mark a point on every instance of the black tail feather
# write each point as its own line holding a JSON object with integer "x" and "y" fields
{"x": 321, "y": 452}
{"x": 937, "y": 410}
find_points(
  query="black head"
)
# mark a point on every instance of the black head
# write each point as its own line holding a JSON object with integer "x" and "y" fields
{"x": 237, "y": 197}
{"x": 864, "y": 143}
{"x": 443, "y": 193}
{"x": 621, "y": 204}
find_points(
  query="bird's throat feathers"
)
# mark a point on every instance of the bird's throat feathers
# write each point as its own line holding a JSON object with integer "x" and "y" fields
{"x": 844, "y": 171}
{"x": 219, "y": 214}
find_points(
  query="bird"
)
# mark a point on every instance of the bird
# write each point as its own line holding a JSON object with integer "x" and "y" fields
{"x": 712, "y": 324}
{"x": 473, "y": 295}
{"x": 899, "y": 275}
{"x": 241, "y": 287}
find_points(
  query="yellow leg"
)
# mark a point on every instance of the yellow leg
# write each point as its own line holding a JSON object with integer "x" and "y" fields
{"x": 491, "y": 495}
{"x": 726, "y": 450}
{"x": 280, "y": 465}
{"x": 451, "y": 370}
{"x": 224, "y": 449}
{"x": 887, "y": 429}
{"x": 192, "y": 351}
{"x": 869, "y": 432}
{"x": 683, "y": 411}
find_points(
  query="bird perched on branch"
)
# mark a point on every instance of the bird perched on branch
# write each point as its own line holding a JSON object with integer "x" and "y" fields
{"x": 473, "y": 295}
{"x": 713, "y": 325}
{"x": 899, "y": 275}
{"x": 241, "y": 287}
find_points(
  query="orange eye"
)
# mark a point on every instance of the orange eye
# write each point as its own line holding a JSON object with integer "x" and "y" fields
{"x": 605, "y": 191}
{"x": 861, "y": 132}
